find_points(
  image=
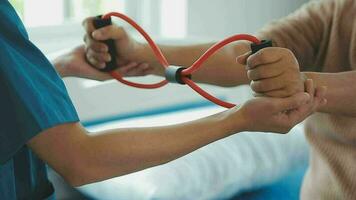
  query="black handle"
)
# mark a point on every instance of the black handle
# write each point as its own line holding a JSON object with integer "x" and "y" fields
{"x": 264, "y": 44}
{"x": 98, "y": 22}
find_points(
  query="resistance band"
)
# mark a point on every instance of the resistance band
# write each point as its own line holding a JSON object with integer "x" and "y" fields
{"x": 174, "y": 74}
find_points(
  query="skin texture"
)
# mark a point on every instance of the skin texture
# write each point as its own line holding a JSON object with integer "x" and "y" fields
{"x": 104, "y": 155}
{"x": 271, "y": 72}
{"x": 131, "y": 51}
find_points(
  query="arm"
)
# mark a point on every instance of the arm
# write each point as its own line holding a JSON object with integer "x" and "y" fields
{"x": 83, "y": 159}
{"x": 275, "y": 72}
{"x": 341, "y": 92}
{"x": 306, "y": 34}
{"x": 221, "y": 69}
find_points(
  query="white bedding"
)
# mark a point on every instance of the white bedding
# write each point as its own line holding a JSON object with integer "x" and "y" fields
{"x": 217, "y": 171}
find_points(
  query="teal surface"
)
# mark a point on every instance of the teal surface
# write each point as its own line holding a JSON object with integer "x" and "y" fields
{"x": 288, "y": 188}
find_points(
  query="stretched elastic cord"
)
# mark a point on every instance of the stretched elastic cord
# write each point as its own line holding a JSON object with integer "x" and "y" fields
{"x": 186, "y": 72}
{"x": 157, "y": 51}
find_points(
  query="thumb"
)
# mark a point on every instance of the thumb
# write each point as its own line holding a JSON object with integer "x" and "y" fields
{"x": 292, "y": 102}
{"x": 242, "y": 59}
{"x": 109, "y": 32}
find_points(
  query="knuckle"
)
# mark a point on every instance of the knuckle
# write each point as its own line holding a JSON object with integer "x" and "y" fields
{"x": 262, "y": 57}
{"x": 288, "y": 52}
{"x": 252, "y": 74}
{"x": 92, "y": 60}
{"x": 289, "y": 91}
{"x": 86, "y": 22}
{"x": 255, "y": 86}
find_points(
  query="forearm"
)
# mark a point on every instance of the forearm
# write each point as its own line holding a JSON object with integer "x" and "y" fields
{"x": 119, "y": 152}
{"x": 221, "y": 69}
{"x": 341, "y": 92}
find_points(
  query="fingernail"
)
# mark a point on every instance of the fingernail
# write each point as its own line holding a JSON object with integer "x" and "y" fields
{"x": 307, "y": 95}
{"x": 307, "y": 99}
{"x": 108, "y": 59}
{"x": 145, "y": 66}
{"x": 238, "y": 60}
{"x": 96, "y": 34}
{"x": 101, "y": 65}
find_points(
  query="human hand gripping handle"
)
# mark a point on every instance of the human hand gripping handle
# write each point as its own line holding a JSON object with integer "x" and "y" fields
{"x": 274, "y": 72}
{"x": 272, "y": 114}
{"x": 111, "y": 65}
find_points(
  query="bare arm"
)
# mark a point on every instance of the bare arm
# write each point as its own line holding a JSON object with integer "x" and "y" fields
{"x": 221, "y": 69}
{"x": 81, "y": 158}
{"x": 341, "y": 92}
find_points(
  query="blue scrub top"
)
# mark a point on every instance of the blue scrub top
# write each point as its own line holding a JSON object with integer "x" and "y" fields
{"x": 33, "y": 98}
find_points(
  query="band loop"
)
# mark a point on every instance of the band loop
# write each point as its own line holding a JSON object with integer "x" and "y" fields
{"x": 174, "y": 74}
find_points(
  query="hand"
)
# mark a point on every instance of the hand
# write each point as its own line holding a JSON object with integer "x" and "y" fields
{"x": 74, "y": 64}
{"x": 269, "y": 114}
{"x": 273, "y": 72}
{"x": 97, "y": 52}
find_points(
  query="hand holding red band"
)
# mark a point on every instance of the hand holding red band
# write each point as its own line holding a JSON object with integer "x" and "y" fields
{"x": 184, "y": 73}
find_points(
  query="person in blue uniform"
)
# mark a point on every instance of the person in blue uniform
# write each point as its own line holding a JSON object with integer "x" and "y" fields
{"x": 39, "y": 125}
{"x": 33, "y": 99}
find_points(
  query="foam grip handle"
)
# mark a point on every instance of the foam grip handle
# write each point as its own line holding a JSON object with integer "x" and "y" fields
{"x": 264, "y": 44}
{"x": 98, "y": 22}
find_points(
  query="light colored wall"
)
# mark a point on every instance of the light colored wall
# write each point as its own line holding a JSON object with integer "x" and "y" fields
{"x": 221, "y": 18}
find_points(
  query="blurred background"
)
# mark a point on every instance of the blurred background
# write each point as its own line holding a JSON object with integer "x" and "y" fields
{"x": 55, "y": 27}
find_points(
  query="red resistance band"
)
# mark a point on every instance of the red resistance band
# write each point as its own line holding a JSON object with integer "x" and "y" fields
{"x": 174, "y": 74}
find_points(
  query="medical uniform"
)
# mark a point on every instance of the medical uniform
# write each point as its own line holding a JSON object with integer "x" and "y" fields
{"x": 33, "y": 98}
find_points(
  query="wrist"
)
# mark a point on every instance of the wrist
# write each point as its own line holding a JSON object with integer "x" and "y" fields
{"x": 232, "y": 121}
{"x": 60, "y": 67}
{"x": 145, "y": 54}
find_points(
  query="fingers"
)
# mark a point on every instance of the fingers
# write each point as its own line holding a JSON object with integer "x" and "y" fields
{"x": 266, "y": 56}
{"x": 109, "y": 32}
{"x": 96, "y": 59}
{"x": 88, "y": 25}
{"x": 95, "y": 45}
{"x": 134, "y": 69}
{"x": 243, "y": 58}
{"x": 105, "y": 33}
{"x": 264, "y": 72}
{"x": 99, "y": 56}
{"x": 317, "y": 100}
{"x": 289, "y": 103}
{"x": 309, "y": 87}
{"x": 266, "y": 85}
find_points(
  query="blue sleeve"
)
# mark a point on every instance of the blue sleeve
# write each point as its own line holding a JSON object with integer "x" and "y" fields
{"x": 33, "y": 96}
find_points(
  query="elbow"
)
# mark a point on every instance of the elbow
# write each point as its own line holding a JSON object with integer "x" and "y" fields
{"x": 78, "y": 169}
{"x": 77, "y": 178}
{"x": 77, "y": 174}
